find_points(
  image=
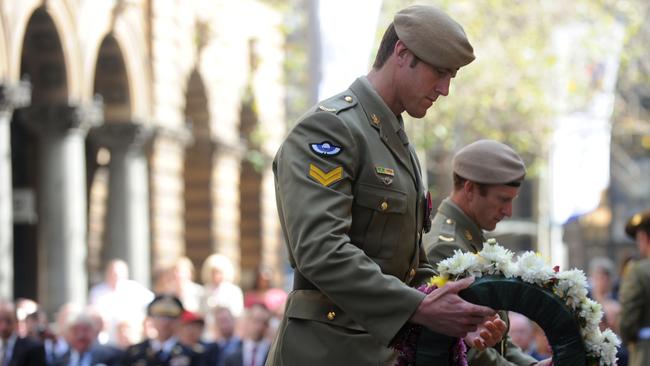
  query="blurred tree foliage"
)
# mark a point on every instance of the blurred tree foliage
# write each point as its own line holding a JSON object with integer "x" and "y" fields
{"x": 508, "y": 93}
{"x": 631, "y": 128}
{"x": 295, "y": 27}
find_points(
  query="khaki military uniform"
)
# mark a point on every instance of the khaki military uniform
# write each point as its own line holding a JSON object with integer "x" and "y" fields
{"x": 635, "y": 312}
{"x": 452, "y": 230}
{"x": 351, "y": 204}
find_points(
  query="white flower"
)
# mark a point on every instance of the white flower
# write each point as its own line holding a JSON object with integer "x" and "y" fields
{"x": 592, "y": 313}
{"x": 571, "y": 287}
{"x": 608, "y": 347}
{"x": 510, "y": 270}
{"x": 602, "y": 346}
{"x": 460, "y": 265}
{"x": 494, "y": 259}
{"x": 533, "y": 269}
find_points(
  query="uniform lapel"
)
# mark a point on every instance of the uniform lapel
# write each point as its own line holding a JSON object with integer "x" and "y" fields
{"x": 384, "y": 121}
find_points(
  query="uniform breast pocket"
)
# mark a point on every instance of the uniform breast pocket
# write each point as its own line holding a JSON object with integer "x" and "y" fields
{"x": 378, "y": 219}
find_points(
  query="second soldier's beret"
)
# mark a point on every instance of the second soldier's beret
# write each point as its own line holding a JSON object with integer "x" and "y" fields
{"x": 168, "y": 306}
{"x": 433, "y": 36}
{"x": 640, "y": 220}
{"x": 489, "y": 162}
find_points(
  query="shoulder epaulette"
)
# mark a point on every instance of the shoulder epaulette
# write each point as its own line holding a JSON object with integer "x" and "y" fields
{"x": 337, "y": 104}
{"x": 448, "y": 230}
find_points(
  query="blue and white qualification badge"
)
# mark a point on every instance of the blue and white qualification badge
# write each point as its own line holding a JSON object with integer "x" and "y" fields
{"x": 326, "y": 148}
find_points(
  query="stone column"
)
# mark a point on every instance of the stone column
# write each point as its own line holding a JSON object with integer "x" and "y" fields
{"x": 226, "y": 170}
{"x": 127, "y": 232}
{"x": 166, "y": 192}
{"x": 62, "y": 196}
{"x": 11, "y": 97}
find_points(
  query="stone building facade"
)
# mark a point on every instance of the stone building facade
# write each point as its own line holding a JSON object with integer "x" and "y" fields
{"x": 135, "y": 129}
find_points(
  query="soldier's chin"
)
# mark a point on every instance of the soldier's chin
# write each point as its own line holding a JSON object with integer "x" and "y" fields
{"x": 490, "y": 227}
{"x": 417, "y": 114}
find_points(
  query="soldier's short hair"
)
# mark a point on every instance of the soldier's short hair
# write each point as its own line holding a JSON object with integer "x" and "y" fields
{"x": 386, "y": 46}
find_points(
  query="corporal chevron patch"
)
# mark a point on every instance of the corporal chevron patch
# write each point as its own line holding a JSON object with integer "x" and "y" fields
{"x": 325, "y": 178}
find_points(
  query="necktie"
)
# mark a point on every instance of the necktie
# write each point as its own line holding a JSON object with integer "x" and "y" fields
{"x": 253, "y": 354}
{"x": 80, "y": 361}
{"x": 402, "y": 136}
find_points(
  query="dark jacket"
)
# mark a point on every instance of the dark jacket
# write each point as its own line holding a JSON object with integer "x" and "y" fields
{"x": 99, "y": 355}
{"x": 27, "y": 352}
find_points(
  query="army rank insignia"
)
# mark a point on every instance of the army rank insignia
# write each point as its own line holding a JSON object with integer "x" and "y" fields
{"x": 325, "y": 148}
{"x": 385, "y": 174}
{"x": 326, "y": 178}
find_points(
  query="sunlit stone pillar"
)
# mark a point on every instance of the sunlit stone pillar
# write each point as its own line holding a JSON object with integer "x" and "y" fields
{"x": 11, "y": 97}
{"x": 128, "y": 230}
{"x": 62, "y": 200}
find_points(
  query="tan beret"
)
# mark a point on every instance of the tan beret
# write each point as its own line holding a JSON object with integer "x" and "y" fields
{"x": 433, "y": 36}
{"x": 639, "y": 220}
{"x": 489, "y": 162}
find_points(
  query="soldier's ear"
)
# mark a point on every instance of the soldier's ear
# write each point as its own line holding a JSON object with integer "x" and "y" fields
{"x": 400, "y": 52}
{"x": 468, "y": 189}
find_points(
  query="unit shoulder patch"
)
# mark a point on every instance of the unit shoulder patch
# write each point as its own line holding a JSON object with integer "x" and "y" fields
{"x": 325, "y": 148}
{"x": 325, "y": 178}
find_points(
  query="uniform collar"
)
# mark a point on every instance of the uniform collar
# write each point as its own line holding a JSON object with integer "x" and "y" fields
{"x": 373, "y": 104}
{"x": 469, "y": 230}
{"x": 381, "y": 118}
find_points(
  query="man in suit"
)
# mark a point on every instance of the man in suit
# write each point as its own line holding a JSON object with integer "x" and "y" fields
{"x": 352, "y": 206}
{"x": 635, "y": 294}
{"x": 16, "y": 350}
{"x": 165, "y": 349}
{"x": 223, "y": 329}
{"x": 80, "y": 332}
{"x": 255, "y": 347}
{"x": 487, "y": 175}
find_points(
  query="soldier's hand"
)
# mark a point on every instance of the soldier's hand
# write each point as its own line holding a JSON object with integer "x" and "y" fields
{"x": 488, "y": 334}
{"x": 546, "y": 362}
{"x": 444, "y": 312}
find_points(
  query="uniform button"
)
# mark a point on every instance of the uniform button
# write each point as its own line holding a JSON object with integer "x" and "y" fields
{"x": 384, "y": 206}
{"x": 412, "y": 272}
{"x": 331, "y": 315}
{"x": 449, "y": 221}
{"x": 348, "y": 99}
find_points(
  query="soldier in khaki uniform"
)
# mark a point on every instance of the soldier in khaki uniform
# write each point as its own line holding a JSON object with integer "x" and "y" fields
{"x": 487, "y": 175}
{"x": 635, "y": 294}
{"x": 352, "y": 207}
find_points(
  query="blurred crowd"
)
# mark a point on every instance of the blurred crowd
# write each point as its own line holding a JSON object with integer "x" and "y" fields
{"x": 178, "y": 322}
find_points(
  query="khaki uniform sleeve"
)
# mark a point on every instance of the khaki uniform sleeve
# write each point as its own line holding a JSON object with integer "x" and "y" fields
{"x": 317, "y": 218}
{"x": 491, "y": 357}
{"x": 517, "y": 356}
{"x": 632, "y": 297}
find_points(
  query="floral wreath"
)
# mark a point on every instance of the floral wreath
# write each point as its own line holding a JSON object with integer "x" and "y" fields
{"x": 494, "y": 260}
